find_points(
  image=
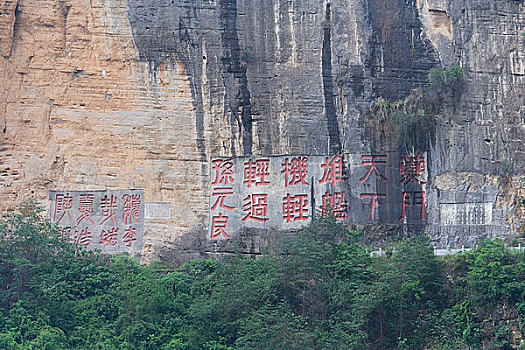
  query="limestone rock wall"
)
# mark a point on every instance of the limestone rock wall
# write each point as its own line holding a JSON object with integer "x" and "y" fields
{"x": 479, "y": 149}
{"x": 80, "y": 111}
{"x": 119, "y": 94}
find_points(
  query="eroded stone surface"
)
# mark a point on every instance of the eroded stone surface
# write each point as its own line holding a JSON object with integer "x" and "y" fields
{"x": 115, "y": 94}
{"x": 80, "y": 111}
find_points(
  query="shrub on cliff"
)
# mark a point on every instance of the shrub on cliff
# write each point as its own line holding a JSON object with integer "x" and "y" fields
{"x": 414, "y": 117}
{"x": 445, "y": 85}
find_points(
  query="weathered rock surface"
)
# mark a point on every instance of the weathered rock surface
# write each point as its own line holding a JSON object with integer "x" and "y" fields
{"x": 114, "y": 94}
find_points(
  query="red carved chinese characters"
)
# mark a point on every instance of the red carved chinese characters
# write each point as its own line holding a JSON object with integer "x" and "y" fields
{"x": 85, "y": 208}
{"x": 131, "y": 208}
{"x": 218, "y": 226}
{"x": 256, "y": 207}
{"x": 130, "y": 236}
{"x": 295, "y": 171}
{"x": 98, "y": 218}
{"x": 83, "y": 237}
{"x": 373, "y": 161}
{"x": 109, "y": 209}
{"x": 255, "y": 172}
{"x": 63, "y": 205}
{"x": 109, "y": 237}
{"x": 334, "y": 204}
{"x": 333, "y": 170}
{"x": 411, "y": 168}
{"x": 221, "y": 196}
{"x": 374, "y": 202}
{"x": 295, "y": 207}
{"x": 223, "y": 171}
{"x": 411, "y": 199}
{"x": 221, "y": 193}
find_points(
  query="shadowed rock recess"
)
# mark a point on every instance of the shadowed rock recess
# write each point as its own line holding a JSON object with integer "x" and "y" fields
{"x": 141, "y": 94}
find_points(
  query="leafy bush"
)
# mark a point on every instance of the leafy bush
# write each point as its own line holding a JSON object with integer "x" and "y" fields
{"x": 318, "y": 289}
{"x": 506, "y": 167}
{"x": 446, "y": 85}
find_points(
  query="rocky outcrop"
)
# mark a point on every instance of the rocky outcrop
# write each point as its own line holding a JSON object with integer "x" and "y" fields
{"x": 81, "y": 111}
{"x": 114, "y": 94}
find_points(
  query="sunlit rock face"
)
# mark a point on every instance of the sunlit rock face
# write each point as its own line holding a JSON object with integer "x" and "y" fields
{"x": 118, "y": 95}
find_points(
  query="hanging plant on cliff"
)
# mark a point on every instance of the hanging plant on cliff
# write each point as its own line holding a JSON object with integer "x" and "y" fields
{"x": 413, "y": 118}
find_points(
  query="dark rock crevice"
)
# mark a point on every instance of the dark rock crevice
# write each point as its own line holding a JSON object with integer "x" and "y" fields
{"x": 16, "y": 15}
{"x": 328, "y": 86}
{"x": 234, "y": 62}
{"x": 189, "y": 55}
{"x": 64, "y": 11}
{"x": 400, "y": 57}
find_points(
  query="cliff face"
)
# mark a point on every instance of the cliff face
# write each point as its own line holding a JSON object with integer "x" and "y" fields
{"x": 114, "y": 94}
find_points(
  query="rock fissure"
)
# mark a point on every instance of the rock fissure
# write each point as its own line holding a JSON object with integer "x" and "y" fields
{"x": 328, "y": 86}
{"x": 234, "y": 62}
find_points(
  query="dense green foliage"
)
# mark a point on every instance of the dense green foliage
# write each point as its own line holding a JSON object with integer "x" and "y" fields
{"x": 318, "y": 289}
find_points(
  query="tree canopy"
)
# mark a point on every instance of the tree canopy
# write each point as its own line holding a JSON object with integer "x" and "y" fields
{"x": 317, "y": 289}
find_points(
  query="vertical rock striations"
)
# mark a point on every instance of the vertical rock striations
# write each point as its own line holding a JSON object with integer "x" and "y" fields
{"x": 111, "y": 94}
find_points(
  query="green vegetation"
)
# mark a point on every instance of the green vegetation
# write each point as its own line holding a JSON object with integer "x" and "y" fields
{"x": 506, "y": 167}
{"x": 245, "y": 56}
{"x": 318, "y": 289}
{"x": 408, "y": 118}
{"x": 446, "y": 85}
{"x": 413, "y": 118}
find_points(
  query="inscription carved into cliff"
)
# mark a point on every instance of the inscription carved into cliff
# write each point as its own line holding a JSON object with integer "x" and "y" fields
{"x": 110, "y": 221}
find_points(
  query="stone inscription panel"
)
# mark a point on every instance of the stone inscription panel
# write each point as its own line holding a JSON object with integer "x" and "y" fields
{"x": 110, "y": 221}
{"x": 284, "y": 192}
{"x": 274, "y": 192}
{"x": 453, "y": 214}
{"x": 158, "y": 211}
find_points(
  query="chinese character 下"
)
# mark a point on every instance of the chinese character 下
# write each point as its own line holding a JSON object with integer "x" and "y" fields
{"x": 374, "y": 202}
